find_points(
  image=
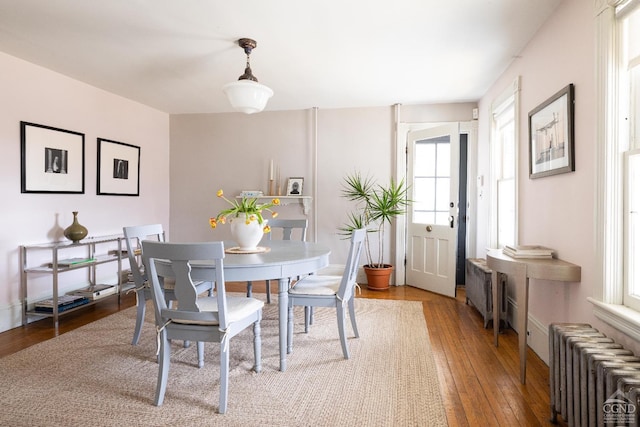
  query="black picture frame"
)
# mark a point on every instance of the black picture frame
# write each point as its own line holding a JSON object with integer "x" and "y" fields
{"x": 51, "y": 159}
{"x": 551, "y": 135}
{"x": 118, "y": 168}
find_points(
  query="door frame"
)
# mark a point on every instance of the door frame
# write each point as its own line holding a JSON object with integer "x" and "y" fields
{"x": 402, "y": 130}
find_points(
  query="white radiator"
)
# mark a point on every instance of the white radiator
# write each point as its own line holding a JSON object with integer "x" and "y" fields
{"x": 593, "y": 381}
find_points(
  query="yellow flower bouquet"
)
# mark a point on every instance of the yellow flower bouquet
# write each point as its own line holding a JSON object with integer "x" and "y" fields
{"x": 250, "y": 207}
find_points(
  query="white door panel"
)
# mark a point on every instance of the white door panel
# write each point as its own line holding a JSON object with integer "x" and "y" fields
{"x": 433, "y": 156}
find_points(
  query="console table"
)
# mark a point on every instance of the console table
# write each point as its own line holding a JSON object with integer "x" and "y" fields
{"x": 111, "y": 250}
{"x": 523, "y": 269}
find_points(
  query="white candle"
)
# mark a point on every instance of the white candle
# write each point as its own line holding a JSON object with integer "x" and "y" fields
{"x": 271, "y": 169}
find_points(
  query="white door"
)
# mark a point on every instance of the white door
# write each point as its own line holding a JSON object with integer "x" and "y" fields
{"x": 433, "y": 159}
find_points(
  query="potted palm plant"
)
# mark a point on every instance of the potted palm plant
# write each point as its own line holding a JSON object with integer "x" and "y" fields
{"x": 376, "y": 206}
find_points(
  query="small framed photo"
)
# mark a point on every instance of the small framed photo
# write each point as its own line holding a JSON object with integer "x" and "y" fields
{"x": 52, "y": 159}
{"x": 551, "y": 146}
{"x": 294, "y": 186}
{"x": 118, "y": 168}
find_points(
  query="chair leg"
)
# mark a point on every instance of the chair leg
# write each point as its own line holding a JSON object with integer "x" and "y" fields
{"x": 307, "y": 318}
{"x": 163, "y": 368}
{"x": 257, "y": 346}
{"x": 352, "y": 315}
{"x": 200, "y": 346}
{"x": 249, "y": 289}
{"x": 224, "y": 378}
{"x": 290, "y": 329}
{"x": 140, "y": 310}
{"x": 341, "y": 330}
{"x": 268, "y": 290}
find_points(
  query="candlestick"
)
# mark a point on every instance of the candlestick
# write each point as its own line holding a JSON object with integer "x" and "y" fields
{"x": 271, "y": 190}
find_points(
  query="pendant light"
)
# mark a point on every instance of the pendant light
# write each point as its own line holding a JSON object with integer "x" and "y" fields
{"x": 246, "y": 94}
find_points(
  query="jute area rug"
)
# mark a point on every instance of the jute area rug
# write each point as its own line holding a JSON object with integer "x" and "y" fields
{"x": 93, "y": 376}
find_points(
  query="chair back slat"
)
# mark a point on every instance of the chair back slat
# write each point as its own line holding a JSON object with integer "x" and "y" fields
{"x": 164, "y": 259}
{"x": 288, "y": 226}
{"x": 133, "y": 236}
{"x": 345, "y": 291}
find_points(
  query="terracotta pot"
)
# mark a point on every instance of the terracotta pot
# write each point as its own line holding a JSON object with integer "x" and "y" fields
{"x": 378, "y": 278}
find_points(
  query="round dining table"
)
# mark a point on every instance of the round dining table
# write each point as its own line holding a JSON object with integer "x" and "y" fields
{"x": 281, "y": 260}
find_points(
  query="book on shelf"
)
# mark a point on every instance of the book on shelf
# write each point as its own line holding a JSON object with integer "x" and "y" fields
{"x": 70, "y": 262}
{"x": 95, "y": 292}
{"x": 528, "y": 251}
{"x": 65, "y": 302}
{"x": 124, "y": 252}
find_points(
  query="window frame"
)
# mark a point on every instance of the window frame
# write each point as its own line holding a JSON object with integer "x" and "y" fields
{"x": 507, "y": 100}
{"x": 612, "y": 142}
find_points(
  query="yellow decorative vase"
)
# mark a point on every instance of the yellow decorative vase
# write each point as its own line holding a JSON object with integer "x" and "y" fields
{"x": 75, "y": 232}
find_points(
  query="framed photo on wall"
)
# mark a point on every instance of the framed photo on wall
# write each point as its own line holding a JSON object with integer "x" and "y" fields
{"x": 118, "y": 168}
{"x": 551, "y": 146}
{"x": 52, "y": 159}
{"x": 294, "y": 186}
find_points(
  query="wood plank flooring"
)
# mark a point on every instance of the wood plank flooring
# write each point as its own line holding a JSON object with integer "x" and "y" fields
{"x": 479, "y": 382}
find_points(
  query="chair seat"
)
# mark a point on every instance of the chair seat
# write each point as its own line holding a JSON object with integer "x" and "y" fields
{"x": 316, "y": 285}
{"x": 237, "y": 308}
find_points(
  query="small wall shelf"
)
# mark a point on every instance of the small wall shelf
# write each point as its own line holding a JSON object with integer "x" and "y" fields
{"x": 305, "y": 201}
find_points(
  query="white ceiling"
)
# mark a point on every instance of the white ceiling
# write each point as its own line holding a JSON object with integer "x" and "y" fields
{"x": 175, "y": 55}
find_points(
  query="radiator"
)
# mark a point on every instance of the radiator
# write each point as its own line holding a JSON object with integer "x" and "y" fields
{"x": 593, "y": 381}
{"x": 478, "y": 289}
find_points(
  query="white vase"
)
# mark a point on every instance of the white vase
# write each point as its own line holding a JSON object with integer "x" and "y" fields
{"x": 247, "y": 235}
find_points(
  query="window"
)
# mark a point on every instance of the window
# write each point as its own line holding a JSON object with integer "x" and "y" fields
{"x": 618, "y": 301}
{"x": 630, "y": 79}
{"x": 503, "y": 167}
{"x": 432, "y": 181}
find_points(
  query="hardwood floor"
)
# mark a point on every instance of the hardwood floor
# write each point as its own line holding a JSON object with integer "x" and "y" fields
{"x": 480, "y": 382}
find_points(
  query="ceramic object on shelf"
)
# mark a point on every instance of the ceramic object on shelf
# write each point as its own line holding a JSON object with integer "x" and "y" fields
{"x": 247, "y": 236}
{"x": 76, "y": 231}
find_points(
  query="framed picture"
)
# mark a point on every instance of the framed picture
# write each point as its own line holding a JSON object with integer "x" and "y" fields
{"x": 294, "y": 186}
{"x": 118, "y": 168}
{"x": 551, "y": 135}
{"x": 51, "y": 159}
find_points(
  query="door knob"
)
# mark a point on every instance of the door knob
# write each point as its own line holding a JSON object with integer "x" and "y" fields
{"x": 429, "y": 228}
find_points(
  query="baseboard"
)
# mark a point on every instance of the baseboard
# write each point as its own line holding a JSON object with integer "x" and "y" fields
{"x": 537, "y": 332}
{"x": 10, "y": 316}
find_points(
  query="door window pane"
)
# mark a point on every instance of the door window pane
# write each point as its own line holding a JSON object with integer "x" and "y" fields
{"x": 444, "y": 159}
{"x": 432, "y": 168}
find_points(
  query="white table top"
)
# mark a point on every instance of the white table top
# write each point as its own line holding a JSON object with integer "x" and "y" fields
{"x": 286, "y": 258}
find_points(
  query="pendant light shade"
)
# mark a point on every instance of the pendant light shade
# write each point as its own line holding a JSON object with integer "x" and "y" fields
{"x": 246, "y": 94}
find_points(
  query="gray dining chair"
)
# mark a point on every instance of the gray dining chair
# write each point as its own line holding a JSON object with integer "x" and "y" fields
{"x": 287, "y": 228}
{"x": 197, "y": 318}
{"x": 133, "y": 235}
{"x": 330, "y": 291}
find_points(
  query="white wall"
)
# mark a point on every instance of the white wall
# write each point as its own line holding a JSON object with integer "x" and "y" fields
{"x": 34, "y": 94}
{"x": 556, "y": 211}
{"x": 232, "y": 152}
